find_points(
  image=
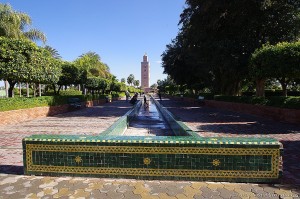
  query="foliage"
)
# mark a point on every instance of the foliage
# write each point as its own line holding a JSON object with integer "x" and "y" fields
{"x": 281, "y": 102}
{"x": 16, "y": 103}
{"x": 167, "y": 85}
{"x": 23, "y": 103}
{"x": 71, "y": 75}
{"x": 280, "y": 61}
{"x": 217, "y": 38}
{"x": 53, "y": 52}
{"x": 91, "y": 62}
{"x": 207, "y": 96}
{"x": 13, "y": 25}
{"x": 70, "y": 92}
{"x": 130, "y": 79}
{"x": 136, "y": 83}
{"x": 23, "y": 61}
{"x": 96, "y": 83}
{"x": 123, "y": 80}
{"x": 95, "y": 97}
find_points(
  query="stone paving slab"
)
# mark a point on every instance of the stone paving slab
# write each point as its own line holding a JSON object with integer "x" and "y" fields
{"x": 19, "y": 186}
{"x": 90, "y": 121}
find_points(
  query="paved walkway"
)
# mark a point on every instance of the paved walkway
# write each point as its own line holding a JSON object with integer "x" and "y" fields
{"x": 90, "y": 121}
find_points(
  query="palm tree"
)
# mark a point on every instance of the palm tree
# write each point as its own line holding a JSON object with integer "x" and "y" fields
{"x": 91, "y": 62}
{"x": 130, "y": 79}
{"x": 53, "y": 52}
{"x": 13, "y": 25}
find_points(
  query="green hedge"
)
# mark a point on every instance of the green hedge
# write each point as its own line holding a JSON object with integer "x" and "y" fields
{"x": 7, "y": 104}
{"x": 70, "y": 92}
{"x": 207, "y": 96}
{"x": 273, "y": 93}
{"x": 281, "y": 102}
{"x": 16, "y": 103}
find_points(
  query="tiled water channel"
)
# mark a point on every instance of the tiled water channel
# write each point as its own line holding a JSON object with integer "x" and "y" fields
{"x": 185, "y": 156}
{"x": 148, "y": 122}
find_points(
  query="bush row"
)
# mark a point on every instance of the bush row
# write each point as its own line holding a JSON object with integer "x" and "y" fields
{"x": 272, "y": 93}
{"x": 16, "y": 103}
{"x": 208, "y": 96}
{"x": 281, "y": 102}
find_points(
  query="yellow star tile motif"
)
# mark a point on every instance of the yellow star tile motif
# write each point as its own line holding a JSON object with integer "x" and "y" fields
{"x": 216, "y": 162}
{"x": 78, "y": 159}
{"x": 147, "y": 161}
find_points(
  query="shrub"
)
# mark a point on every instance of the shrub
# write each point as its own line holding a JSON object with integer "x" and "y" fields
{"x": 207, "y": 96}
{"x": 7, "y": 104}
{"x": 275, "y": 101}
{"x": 70, "y": 92}
{"x": 95, "y": 97}
{"x": 292, "y": 102}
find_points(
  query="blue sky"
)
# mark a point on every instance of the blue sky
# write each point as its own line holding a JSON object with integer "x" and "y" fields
{"x": 120, "y": 31}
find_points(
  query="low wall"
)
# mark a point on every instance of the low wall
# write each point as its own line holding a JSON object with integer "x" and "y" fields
{"x": 154, "y": 157}
{"x": 22, "y": 115}
{"x": 279, "y": 114}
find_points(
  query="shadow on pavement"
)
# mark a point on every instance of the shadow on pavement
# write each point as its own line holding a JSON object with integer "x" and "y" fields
{"x": 222, "y": 121}
{"x": 114, "y": 109}
{"x": 11, "y": 169}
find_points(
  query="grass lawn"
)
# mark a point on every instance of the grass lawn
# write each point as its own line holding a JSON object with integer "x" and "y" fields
{"x": 2, "y": 93}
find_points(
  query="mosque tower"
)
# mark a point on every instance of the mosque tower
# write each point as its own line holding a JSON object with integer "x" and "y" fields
{"x": 145, "y": 74}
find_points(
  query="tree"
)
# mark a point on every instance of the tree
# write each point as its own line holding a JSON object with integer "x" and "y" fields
{"x": 136, "y": 83}
{"x": 280, "y": 61}
{"x": 167, "y": 85}
{"x": 13, "y": 25}
{"x": 91, "y": 62}
{"x": 53, "y": 52}
{"x": 123, "y": 80}
{"x": 217, "y": 38}
{"x": 70, "y": 75}
{"x": 154, "y": 86}
{"x": 49, "y": 69}
{"x": 22, "y": 60}
{"x": 130, "y": 79}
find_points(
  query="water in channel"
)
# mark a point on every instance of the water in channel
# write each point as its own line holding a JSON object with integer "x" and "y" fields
{"x": 149, "y": 122}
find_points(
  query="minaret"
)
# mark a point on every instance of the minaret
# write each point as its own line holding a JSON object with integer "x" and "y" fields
{"x": 145, "y": 74}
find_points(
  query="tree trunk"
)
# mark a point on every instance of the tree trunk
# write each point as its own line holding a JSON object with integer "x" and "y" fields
{"x": 20, "y": 90}
{"x": 54, "y": 89}
{"x": 283, "y": 83}
{"x": 40, "y": 90}
{"x": 27, "y": 89}
{"x": 11, "y": 88}
{"x": 59, "y": 88}
{"x": 6, "y": 87}
{"x": 34, "y": 90}
{"x": 260, "y": 87}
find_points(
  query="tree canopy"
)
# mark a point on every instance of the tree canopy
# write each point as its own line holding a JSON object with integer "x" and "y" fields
{"x": 24, "y": 61}
{"x": 130, "y": 79}
{"x": 91, "y": 62}
{"x": 280, "y": 61}
{"x": 217, "y": 38}
{"x": 14, "y": 24}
